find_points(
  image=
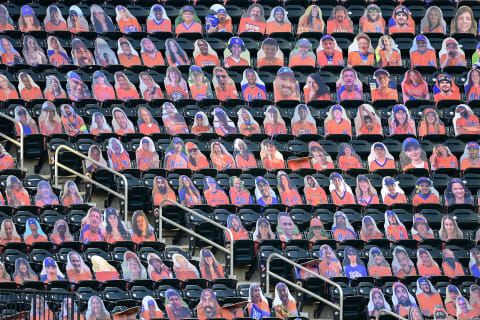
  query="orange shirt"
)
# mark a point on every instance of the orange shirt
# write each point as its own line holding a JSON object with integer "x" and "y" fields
{"x": 245, "y": 164}
{"x": 249, "y": 25}
{"x": 469, "y": 315}
{"x": 208, "y": 60}
{"x": 451, "y": 308}
{"x": 334, "y": 26}
{"x": 315, "y": 197}
{"x": 137, "y": 239}
{"x": 467, "y": 163}
{"x": 452, "y": 95}
{"x": 291, "y": 197}
{"x": 402, "y": 274}
{"x": 6, "y": 27}
{"x": 429, "y": 58}
{"x": 348, "y": 162}
{"x": 129, "y": 25}
{"x": 216, "y": 198}
{"x": 103, "y": 93}
{"x": 356, "y": 59}
{"x": 129, "y": 61}
{"x": 224, "y": 161}
{"x": 273, "y": 26}
{"x": 273, "y": 164}
{"x": 194, "y": 27}
{"x": 230, "y": 62}
{"x": 240, "y": 198}
{"x": 346, "y": 198}
{"x": 373, "y": 27}
{"x": 49, "y": 95}
{"x": 298, "y": 60}
{"x": 164, "y": 26}
{"x": 229, "y": 93}
{"x": 376, "y": 129}
{"x": 29, "y": 240}
{"x": 262, "y": 62}
{"x": 445, "y": 162}
{"x": 303, "y": 128}
{"x": 395, "y": 29}
{"x": 155, "y": 61}
{"x": 418, "y": 199}
{"x": 20, "y": 197}
{"x": 50, "y": 26}
{"x": 388, "y": 164}
{"x": 123, "y": 94}
{"x": 387, "y": 94}
{"x": 335, "y": 60}
{"x": 158, "y": 197}
{"x": 9, "y": 59}
{"x": 395, "y": 59}
{"x": 120, "y": 162}
{"x": 271, "y": 129}
{"x": 201, "y": 164}
{"x": 76, "y": 277}
{"x": 148, "y": 130}
{"x": 30, "y": 94}
{"x": 333, "y": 127}
{"x": 458, "y": 61}
{"x": 452, "y": 273}
{"x": 57, "y": 59}
{"x": 377, "y": 272}
{"x": 429, "y": 303}
{"x": 423, "y": 130}
{"x": 399, "y": 198}
{"x": 147, "y": 316}
{"x": 424, "y": 271}
{"x": 12, "y": 95}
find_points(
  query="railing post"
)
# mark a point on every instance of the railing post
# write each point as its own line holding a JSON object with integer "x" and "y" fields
{"x": 216, "y": 245}
{"x": 21, "y": 144}
{"x": 84, "y": 177}
{"x": 321, "y": 299}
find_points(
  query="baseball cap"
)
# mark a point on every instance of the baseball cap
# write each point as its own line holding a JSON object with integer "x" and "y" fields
{"x": 472, "y": 145}
{"x": 444, "y": 77}
{"x": 378, "y": 145}
{"x": 401, "y": 9}
{"x": 424, "y": 180}
{"x": 451, "y": 41}
{"x": 283, "y": 70}
{"x": 389, "y": 181}
{"x": 336, "y": 107}
{"x": 195, "y": 68}
{"x": 381, "y": 71}
{"x": 399, "y": 107}
{"x": 235, "y": 40}
{"x": 326, "y": 37}
{"x": 177, "y": 140}
{"x": 27, "y": 10}
{"x": 304, "y": 42}
{"x": 420, "y": 37}
{"x": 206, "y": 253}
{"x": 278, "y": 9}
{"x": 49, "y": 262}
{"x": 188, "y": 8}
{"x": 316, "y": 223}
{"x": 410, "y": 142}
{"x": 335, "y": 175}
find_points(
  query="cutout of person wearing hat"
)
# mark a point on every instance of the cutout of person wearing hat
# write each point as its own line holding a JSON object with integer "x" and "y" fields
{"x": 302, "y": 121}
{"x": 475, "y": 297}
{"x": 369, "y": 230}
{"x": 394, "y": 229}
{"x": 269, "y": 54}
{"x": 420, "y": 228}
{"x": 377, "y": 302}
{"x": 445, "y": 89}
{"x": 385, "y": 88}
{"x": 253, "y": 20}
{"x": 252, "y": 86}
{"x": 401, "y": 21}
{"x": 401, "y": 122}
{"x": 412, "y": 155}
{"x": 132, "y": 268}
{"x": 451, "y": 55}
{"x": 316, "y": 231}
{"x": 470, "y": 158}
{"x": 127, "y": 56}
{"x": 433, "y": 21}
{"x": 23, "y": 118}
{"x": 76, "y": 21}
{"x": 465, "y": 121}
{"x": 271, "y": 157}
{"x": 126, "y": 20}
{"x": 204, "y": 55}
{"x": 341, "y": 192}
{"x": 158, "y": 21}
{"x": 377, "y": 265}
{"x": 329, "y": 53}
{"x": 33, "y": 232}
{"x": 457, "y": 193}
{"x": 365, "y": 192}
{"x": 213, "y": 193}
{"x": 342, "y": 229}
{"x": 150, "y": 309}
{"x": 150, "y": 54}
{"x": 428, "y": 297}
{"x": 61, "y": 232}
{"x": 28, "y": 21}
{"x": 286, "y": 86}
{"x": 199, "y": 84}
{"x": 372, "y": 20}
{"x": 263, "y": 231}
{"x": 391, "y": 192}
{"x": 361, "y": 52}
{"x": 402, "y": 266}
{"x": 175, "y": 155}
{"x": 187, "y": 21}
{"x": 339, "y": 21}
{"x": 220, "y": 21}
{"x": 320, "y": 159}
{"x": 430, "y": 123}
{"x": 314, "y": 194}
{"x": 54, "y": 20}
{"x": 426, "y": 266}
{"x": 414, "y": 87}
{"x": 157, "y": 270}
{"x": 239, "y": 195}
{"x": 146, "y": 156}
{"x": 196, "y": 159}
{"x": 379, "y": 158}
{"x": 6, "y": 23}
{"x": 422, "y": 53}
{"x": 337, "y": 121}
{"x": 472, "y": 85}
{"x": 424, "y": 192}
{"x": 278, "y": 21}
{"x": 349, "y": 87}
{"x": 236, "y": 53}
{"x": 50, "y": 271}
{"x": 451, "y": 297}
{"x": 302, "y": 54}
{"x": 224, "y": 85}
{"x": 200, "y": 124}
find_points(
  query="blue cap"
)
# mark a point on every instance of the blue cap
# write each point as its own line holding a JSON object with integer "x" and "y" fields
{"x": 195, "y": 68}
{"x": 390, "y": 213}
{"x": 155, "y": 7}
{"x": 452, "y": 289}
{"x": 335, "y": 175}
{"x": 31, "y": 221}
{"x": 43, "y": 184}
{"x": 336, "y": 107}
{"x": 277, "y": 9}
{"x": 261, "y": 179}
{"x": 304, "y": 42}
{"x": 424, "y": 180}
{"x": 410, "y": 142}
{"x": 221, "y": 10}
{"x": 375, "y": 250}
{"x": 378, "y": 145}
{"x": 362, "y": 177}
{"x": 420, "y": 37}
{"x": 121, "y": 8}
{"x": 235, "y": 40}
{"x": 27, "y": 10}
{"x": 49, "y": 262}
{"x": 283, "y": 70}
{"x": 472, "y": 145}
{"x": 420, "y": 218}
{"x": 367, "y": 218}
{"x": 399, "y": 107}
{"x": 145, "y": 140}
{"x": 389, "y": 181}
{"x": 151, "y": 302}
{"x": 326, "y": 37}
{"x": 73, "y": 75}
{"x": 378, "y": 72}
{"x": 177, "y": 140}
{"x": 188, "y": 8}
{"x": 422, "y": 280}
{"x": 209, "y": 180}
{"x": 206, "y": 253}
{"x": 422, "y": 250}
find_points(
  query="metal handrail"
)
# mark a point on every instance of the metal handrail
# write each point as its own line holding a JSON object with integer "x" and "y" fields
{"x": 196, "y": 214}
{"x": 390, "y": 313}
{"x": 15, "y": 142}
{"x": 296, "y": 286}
{"x": 88, "y": 179}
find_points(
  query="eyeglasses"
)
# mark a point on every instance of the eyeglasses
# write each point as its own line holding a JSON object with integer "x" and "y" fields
{"x": 21, "y": 113}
